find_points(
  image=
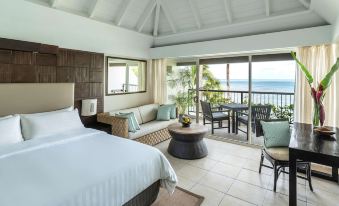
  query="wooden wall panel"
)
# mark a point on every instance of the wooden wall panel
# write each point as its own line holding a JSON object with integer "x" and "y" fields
{"x": 27, "y": 62}
{"x": 5, "y": 73}
{"x": 6, "y": 56}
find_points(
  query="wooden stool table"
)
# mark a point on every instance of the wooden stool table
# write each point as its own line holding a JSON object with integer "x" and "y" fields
{"x": 187, "y": 142}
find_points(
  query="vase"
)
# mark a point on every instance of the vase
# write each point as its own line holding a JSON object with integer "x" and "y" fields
{"x": 318, "y": 113}
{"x": 186, "y": 125}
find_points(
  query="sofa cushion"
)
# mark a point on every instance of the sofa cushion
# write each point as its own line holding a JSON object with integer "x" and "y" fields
{"x": 164, "y": 113}
{"x": 151, "y": 127}
{"x": 148, "y": 112}
{"x": 278, "y": 153}
{"x": 134, "y": 110}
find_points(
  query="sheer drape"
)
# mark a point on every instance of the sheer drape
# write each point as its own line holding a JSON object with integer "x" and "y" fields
{"x": 159, "y": 81}
{"x": 319, "y": 60}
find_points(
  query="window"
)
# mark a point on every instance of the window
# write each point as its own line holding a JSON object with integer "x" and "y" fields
{"x": 125, "y": 76}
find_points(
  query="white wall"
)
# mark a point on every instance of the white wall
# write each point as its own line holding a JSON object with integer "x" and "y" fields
{"x": 26, "y": 21}
{"x": 262, "y": 42}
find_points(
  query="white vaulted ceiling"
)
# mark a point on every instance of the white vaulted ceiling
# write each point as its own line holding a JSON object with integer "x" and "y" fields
{"x": 183, "y": 21}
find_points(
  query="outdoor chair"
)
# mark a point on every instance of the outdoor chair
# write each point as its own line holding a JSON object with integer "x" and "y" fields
{"x": 259, "y": 112}
{"x": 215, "y": 115}
{"x": 279, "y": 159}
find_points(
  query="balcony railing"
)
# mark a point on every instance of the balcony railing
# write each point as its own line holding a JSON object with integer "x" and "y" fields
{"x": 281, "y": 101}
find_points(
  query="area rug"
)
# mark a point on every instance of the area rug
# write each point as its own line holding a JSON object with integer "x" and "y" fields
{"x": 180, "y": 197}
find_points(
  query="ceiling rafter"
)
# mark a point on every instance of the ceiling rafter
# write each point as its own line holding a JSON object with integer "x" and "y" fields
{"x": 168, "y": 16}
{"x": 92, "y": 9}
{"x": 305, "y": 3}
{"x": 54, "y": 3}
{"x": 228, "y": 11}
{"x": 157, "y": 17}
{"x": 268, "y": 7}
{"x": 126, "y": 4}
{"x": 195, "y": 13}
{"x": 146, "y": 15}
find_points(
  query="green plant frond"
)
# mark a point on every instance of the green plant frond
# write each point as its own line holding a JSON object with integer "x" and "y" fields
{"x": 325, "y": 83}
{"x": 303, "y": 68}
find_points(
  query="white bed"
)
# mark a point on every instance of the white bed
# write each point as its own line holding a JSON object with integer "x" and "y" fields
{"x": 80, "y": 167}
{"x": 77, "y": 167}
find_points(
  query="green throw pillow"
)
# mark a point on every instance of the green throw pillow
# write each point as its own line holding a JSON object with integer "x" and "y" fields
{"x": 164, "y": 113}
{"x": 134, "y": 119}
{"x": 173, "y": 112}
{"x": 129, "y": 116}
{"x": 276, "y": 134}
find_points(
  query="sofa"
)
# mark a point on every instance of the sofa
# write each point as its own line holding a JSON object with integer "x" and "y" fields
{"x": 151, "y": 131}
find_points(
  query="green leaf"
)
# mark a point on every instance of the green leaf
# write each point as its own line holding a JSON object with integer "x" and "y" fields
{"x": 325, "y": 83}
{"x": 303, "y": 68}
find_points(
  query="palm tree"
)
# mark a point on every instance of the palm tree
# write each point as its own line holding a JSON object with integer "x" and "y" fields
{"x": 184, "y": 81}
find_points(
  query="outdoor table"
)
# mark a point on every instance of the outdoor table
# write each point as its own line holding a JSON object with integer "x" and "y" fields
{"x": 235, "y": 108}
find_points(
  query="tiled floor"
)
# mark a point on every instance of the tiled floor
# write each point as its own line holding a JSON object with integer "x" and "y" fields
{"x": 229, "y": 176}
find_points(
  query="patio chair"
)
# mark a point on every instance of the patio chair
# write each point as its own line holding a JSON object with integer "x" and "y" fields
{"x": 259, "y": 112}
{"x": 279, "y": 159}
{"x": 213, "y": 115}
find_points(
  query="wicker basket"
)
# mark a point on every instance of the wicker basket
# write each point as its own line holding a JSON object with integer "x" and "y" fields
{"x": 120, "y": 128}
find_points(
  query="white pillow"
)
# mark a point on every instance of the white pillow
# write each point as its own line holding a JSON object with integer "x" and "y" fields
{"x": 36, "y": 126}
{"x": 67, "y": 109}
{"x": 10, "y": 131}
{"x": 6, "y": 117}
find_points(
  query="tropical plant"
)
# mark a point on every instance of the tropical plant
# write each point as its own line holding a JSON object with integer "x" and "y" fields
{"x": 318, "y": 93}
{"x": 184, "y": 83}
{"x": 283, "y": 112}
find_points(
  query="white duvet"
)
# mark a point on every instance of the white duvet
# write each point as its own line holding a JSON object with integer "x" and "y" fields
{"x": 82, "y": 167}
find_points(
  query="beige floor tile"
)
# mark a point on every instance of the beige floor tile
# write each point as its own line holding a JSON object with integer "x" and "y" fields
{"x": 192, "y": 173}
{"x": 226, "y": 170}
{"x": 229, "y": 201}
{"x": 247, "y": 192}
{"x": 233, "y": 160}
{"x": 254, "y": 178}
{"x": 322, "y": 198}
{"x": 212, "y": 197}
{"x": 278, "y": 199}
{"x": 283, "y": 188}
{"x": 254, "y": 166}
{"x": 205, "y": 163}
{"x": 185, "y": 183}
{"x": 328, "y": 186}
{"x": 217, "y": 182}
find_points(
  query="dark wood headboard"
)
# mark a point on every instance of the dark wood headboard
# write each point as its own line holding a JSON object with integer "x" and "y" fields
{"x": 28, "y": 62}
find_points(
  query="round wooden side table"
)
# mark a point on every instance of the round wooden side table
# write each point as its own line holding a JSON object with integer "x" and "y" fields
{"x": 187, "y": 142}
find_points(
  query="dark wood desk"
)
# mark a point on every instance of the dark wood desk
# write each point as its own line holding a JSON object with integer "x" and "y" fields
{"x": 235, "y": 108}
{"x": 307, "y": 146}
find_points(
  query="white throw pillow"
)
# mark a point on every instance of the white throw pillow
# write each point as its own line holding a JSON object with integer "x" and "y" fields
{"x": 10, "y": 131}
{"x": 36, "y": 126}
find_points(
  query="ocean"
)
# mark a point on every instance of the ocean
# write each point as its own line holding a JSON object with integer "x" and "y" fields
{"x": 261, "y": 85}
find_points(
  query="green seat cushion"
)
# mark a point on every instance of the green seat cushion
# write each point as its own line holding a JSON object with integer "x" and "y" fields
{"x": 164, "y": 113}
{"x": 129, "y": 116}
{"x": 276, "y": 134}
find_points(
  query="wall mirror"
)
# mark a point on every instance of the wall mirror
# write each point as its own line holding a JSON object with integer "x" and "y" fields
{"x": 125, "y": 76}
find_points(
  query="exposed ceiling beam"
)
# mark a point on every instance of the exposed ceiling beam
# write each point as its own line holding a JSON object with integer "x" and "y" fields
{"x": 195, "y": 13}
{"x": 93, "y": 8}
{"x": 228, "y": 11}
{"x": 123, "y": 10}
{"x": 156, "y": 20}
{"x": 305, "y": 3}
{"x": 168, "y": 17}
{"x": 54, "y": 3}
{"x": 268, "y": 7}
{"x": 146, "y": 15}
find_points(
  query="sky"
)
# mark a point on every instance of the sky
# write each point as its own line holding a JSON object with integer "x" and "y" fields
{"x": 278, "y": 70}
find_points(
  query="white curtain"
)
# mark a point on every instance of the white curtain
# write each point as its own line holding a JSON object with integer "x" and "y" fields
{"x": 319, "y": 60}
{"x": 159, "y": 67}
